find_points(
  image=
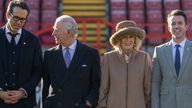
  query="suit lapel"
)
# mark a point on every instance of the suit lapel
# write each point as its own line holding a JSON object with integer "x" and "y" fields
{"x": 186, "y": 54}
{"x": 3, "y": 48}
{"x": 24, "y": 41}
{"x": 76, "y": 60}
{"x": 169, "y": 57}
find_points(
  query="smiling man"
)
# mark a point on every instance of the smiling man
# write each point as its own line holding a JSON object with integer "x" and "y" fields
{"x": 171, "y": 72}
{"x": 20, "y": 59}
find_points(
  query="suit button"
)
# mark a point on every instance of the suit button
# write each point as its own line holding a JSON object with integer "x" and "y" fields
{"x": 6, "y": 84}
{"x": 59, "y": 90}
{"x": 13, "y": 84}
{"x": 76, "y": 104}
{"x": 13, "y": 74}
{"x": 59, "y": 104}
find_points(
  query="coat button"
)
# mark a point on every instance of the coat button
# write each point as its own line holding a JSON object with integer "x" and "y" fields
{"x": 76, "y": 104}
{"x": 6, "y": 84}
{"x": 59, "y": 90}
{"x": 59, "y": 104}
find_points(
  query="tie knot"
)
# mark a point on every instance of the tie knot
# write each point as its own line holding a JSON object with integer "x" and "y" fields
{"x": 177, "y": 45}
{"x": 13, "y": 35}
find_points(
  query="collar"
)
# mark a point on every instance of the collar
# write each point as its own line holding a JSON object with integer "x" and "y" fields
{"x": 72, "y": 46}
{"x": 182, "y": 44}
{"x": 7, "y": 30}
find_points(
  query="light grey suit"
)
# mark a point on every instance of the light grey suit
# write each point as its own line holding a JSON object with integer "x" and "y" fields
{"x": 168, "y": 89}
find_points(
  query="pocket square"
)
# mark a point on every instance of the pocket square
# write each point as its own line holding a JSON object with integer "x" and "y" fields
{"x": 84, "y": 65}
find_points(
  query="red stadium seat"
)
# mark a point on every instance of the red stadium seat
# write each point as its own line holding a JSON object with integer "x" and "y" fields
{"x": 118, "y": 15}
{"x": 118, "y": 5}
{"x": 136, "y": 4}
{"x": 172, "y": 4}
{"x": 137, "y": 16}
{"x": 187, "y": 4}
{"x": 33, "y": 16}
{"x": 49, "y": 4}
{"x": 1, "y": 4}
{"x": 189, "y": 15}
{"x": 1, "y": 15}
{"x": 155, "y": 28}
{"x": 154, "y": 4}
{"x": 32, "y": 27}
{"x": 49, "y": 16}
{"x": 47, "y": 25}
{"x": 154, "y": 16}
{"x": 47, "y": 39}
{"x": 33, "y": 4}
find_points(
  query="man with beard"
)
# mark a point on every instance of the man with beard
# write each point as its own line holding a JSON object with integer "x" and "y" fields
{"x": 20, "y": 59}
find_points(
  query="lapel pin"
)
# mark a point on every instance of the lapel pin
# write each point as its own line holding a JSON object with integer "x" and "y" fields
{"x": 24, "y": 43}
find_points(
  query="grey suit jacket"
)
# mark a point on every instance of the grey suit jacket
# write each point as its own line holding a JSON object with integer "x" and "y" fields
{"x": 168, "y": 89}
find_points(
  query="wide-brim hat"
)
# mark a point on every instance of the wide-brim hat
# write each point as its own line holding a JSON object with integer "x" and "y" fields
{"x": 124, "y": 32}
{"x": 125, "y": 24}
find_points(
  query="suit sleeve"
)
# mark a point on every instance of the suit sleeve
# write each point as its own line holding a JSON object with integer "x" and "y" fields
{"x": 46, "y": 82}
{"x": 156, "y": 80}
{"x": 104, "y": 88}
{"x": 34, "y": 80}
{"x": 147, "y": 81}
{"x": 95, "y": 79}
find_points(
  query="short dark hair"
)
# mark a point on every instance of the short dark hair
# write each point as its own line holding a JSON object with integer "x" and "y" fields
{"x": 17, "y": 3}
{"x": 177, "y": 13}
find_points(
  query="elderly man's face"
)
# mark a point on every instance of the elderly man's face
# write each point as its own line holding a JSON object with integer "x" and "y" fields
{"x": 127, "y": 44}
{"x": 60, "y": 33}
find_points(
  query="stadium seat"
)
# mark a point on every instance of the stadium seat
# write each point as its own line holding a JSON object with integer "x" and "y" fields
{"x": 49, "y": 4}
{"x": 33, "y": 4}
{"x": 172, "y": 4}
{"x": 154, "y": 4}
{"x": 189, "y": 15}
{"x": 118, "y": 15}
{"x": 136, "y": 4}
{"x": 187, "y": 4}
{"x": 32, "y": 27}
{"x": 154, "y": 16}
{"x": 155, "y": 28}
{"x": 33, "y": 16}
{"x": 137, "y": 16}
{"x": 1, "y": 15}
{"x": 118, "y": 5}
{"x": 1, "y": 4}
{"x": 47, "y": 39}
{"x": 49, "y": 16}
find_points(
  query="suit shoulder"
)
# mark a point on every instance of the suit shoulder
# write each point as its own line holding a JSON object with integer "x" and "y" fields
{"x": 90, "y": 49}
{"x": 52, "y": 49}
{"x": 162, "y": 45}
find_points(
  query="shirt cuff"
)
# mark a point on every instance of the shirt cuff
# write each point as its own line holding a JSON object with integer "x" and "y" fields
{"x": 24, "y": 91}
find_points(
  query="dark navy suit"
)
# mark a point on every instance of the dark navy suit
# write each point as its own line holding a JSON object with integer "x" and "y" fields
{"x": 28, "y": 67}
{"x": 72, "y": 86}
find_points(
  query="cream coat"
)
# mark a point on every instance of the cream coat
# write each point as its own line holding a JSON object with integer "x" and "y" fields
{"x": 125, "y": 85}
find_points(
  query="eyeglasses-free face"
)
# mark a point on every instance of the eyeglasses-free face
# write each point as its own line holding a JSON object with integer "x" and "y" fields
{"x": 16, "y": 18}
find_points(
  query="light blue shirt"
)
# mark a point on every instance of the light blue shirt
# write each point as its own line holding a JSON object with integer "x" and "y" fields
{"x": 181, "y": 49}
{"x": 72, "y": 48}
{"x": 8, "y": 36}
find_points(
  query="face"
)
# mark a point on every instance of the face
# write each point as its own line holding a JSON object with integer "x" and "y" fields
{"x": 127, "y": 44}
{"x": 177, "y": 27}
{"x": 61, "y": 34}
{"x": 17, "y": 19}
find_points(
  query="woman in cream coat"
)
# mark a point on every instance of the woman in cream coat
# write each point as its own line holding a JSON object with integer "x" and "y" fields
{"x": 126, "y": 71}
